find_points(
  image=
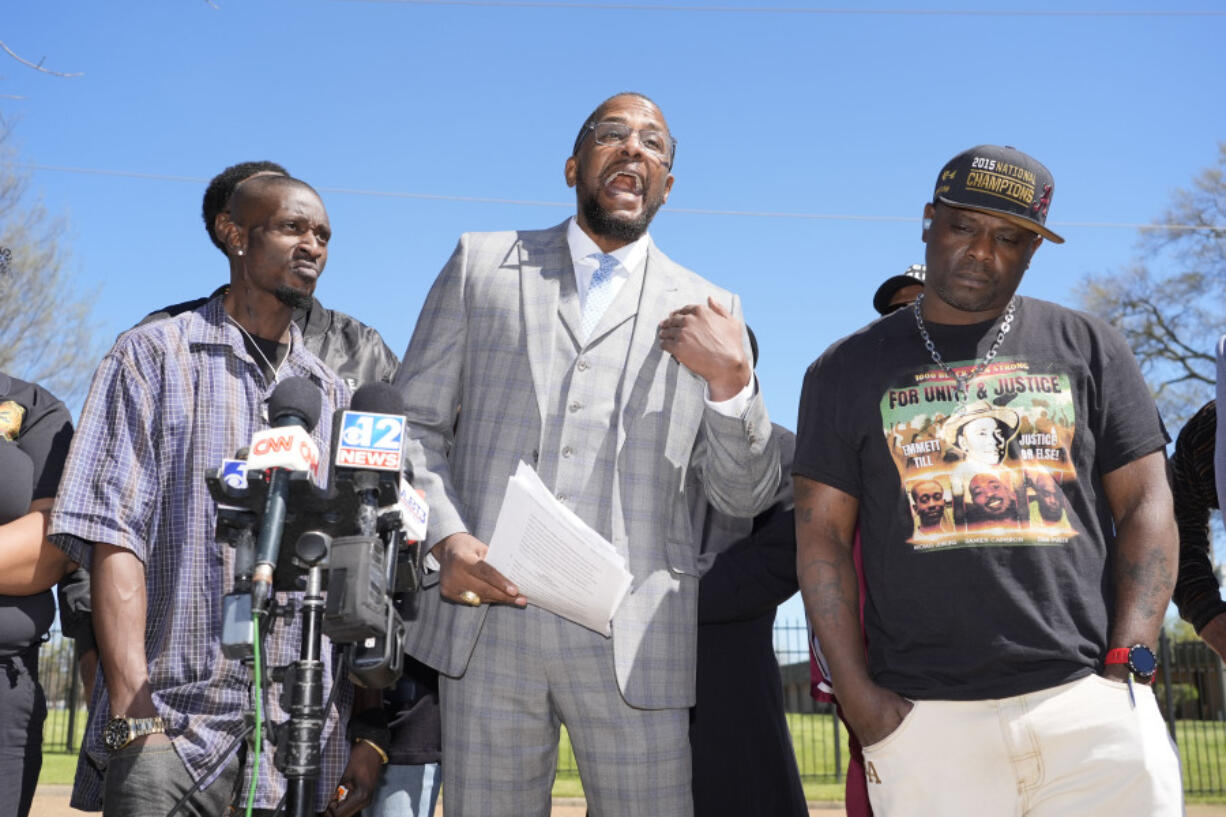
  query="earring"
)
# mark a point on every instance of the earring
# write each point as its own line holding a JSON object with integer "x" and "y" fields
{"x": 239, "y": 252}
{"x": 927, "y": 224}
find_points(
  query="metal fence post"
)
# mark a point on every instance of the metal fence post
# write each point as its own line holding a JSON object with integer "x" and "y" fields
{"x": 838, "y": 760}
{"x": 1164, "y": 647}
{"x": 74, "y": 689}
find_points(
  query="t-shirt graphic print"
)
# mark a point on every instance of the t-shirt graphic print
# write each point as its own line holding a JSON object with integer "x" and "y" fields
{"x": 985, "y": 471}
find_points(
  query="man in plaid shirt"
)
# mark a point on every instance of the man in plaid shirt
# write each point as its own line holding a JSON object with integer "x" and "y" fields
{"x": 169, "y": 401}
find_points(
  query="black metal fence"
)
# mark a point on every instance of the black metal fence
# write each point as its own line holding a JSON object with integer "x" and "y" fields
{"x": 1191, "y": 689}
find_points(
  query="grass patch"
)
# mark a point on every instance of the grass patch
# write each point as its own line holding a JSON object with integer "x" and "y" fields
{"x": 1202, "y": 753}
{"x": 59, "y": 768}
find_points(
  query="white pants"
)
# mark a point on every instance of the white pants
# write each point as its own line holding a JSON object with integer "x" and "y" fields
{"x": 1081, "y": 748}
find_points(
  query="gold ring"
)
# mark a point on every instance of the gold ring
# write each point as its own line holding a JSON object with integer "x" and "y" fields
{"x": 470, "y": 598}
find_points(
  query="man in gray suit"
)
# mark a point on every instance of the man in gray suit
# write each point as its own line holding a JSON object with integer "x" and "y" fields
{"x": 625, "y": 380}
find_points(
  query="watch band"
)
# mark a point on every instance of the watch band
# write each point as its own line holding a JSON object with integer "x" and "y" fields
{"x": 1139, "y": 658}
{"x": 146, "y": 726}
{"x": 119, "y": 732}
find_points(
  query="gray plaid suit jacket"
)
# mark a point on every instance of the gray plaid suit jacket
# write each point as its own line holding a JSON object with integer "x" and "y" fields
{"x": 485, "y": 342}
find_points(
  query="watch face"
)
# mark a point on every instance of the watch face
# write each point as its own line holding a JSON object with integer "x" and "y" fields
{"x": 1142, "y": 661}
{"x": 115, "y": 734}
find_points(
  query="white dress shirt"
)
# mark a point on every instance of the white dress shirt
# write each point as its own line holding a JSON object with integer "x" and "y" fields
{"x": 631, "y": 259}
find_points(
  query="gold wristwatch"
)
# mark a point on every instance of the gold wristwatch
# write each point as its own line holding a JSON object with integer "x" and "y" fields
{"x": 119, "y": 732}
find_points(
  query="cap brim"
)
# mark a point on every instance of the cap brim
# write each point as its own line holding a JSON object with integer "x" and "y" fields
{"x": 885, "y": 292}
{"x": 1024, "y": 223}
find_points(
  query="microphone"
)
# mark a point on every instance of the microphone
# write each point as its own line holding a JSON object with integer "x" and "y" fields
{"x": 362, "y": 568}
{"x": 294, "y": 407}
{"x": 370, "y": 440}
{"x": 413, "y": 510}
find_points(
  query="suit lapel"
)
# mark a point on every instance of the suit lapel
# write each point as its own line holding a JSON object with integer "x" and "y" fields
{"x": 659, "y": 293}
{"x": 543, "y": 266}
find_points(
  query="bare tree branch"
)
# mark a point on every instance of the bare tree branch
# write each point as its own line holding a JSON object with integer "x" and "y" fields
{"x": 36, "y": 66}
{"x": 1173, "y": 308}
{"x": 46, "y": 334}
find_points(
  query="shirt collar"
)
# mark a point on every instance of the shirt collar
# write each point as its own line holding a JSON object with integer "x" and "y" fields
{"x": 630, "y": 258}
{"x": 215, "y": 329}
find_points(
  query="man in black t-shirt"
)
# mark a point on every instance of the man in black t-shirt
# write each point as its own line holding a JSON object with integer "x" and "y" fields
{"x": 1002, "y": 648}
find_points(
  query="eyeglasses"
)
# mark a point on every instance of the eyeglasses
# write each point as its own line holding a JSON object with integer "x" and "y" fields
{"x": 615, "y": 134}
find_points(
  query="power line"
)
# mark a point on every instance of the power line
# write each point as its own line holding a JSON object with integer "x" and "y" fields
{"x": 544, "y": 4}
{"x": 694, "y": 211}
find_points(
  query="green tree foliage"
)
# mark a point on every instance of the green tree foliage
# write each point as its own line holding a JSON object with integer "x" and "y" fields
{"x": 1171, "y": 303}
{"x": 45, "y": 330}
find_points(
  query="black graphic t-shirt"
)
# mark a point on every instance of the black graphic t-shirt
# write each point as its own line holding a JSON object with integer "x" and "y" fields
{"x": 986, "y": 535}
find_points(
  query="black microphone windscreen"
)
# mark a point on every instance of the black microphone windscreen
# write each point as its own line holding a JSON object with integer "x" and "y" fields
{"x": 295, "y": 397}
{"x": 17, "y": 487}
{"x": 378, "y": 398}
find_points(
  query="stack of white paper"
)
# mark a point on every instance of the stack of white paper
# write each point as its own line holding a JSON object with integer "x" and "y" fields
{"x": 555, "y": 559}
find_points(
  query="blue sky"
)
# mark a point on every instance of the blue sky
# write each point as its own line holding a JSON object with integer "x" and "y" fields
{"x": 810, "y": 136}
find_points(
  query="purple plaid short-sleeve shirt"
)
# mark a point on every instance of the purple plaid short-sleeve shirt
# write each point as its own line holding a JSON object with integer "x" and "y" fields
{"x": 169, "y": 401}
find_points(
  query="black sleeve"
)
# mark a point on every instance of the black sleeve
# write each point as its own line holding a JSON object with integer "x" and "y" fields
{"x": 754, "y": 576}
{"x": 178, "y": 309}
{"x": 825, "y": 447}
{"x": 45, "y": 435}
{"x": 1193, "y": 487}
{"x": 16, "y": 488}
{"x": 388, "y": 363}
{"x": 1127, "y": 425}
{"x": 76, "y": 609}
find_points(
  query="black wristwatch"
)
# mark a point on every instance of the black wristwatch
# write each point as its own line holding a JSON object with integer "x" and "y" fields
{"x": 1140, "y": 659}
{"x": 119, "y": 732}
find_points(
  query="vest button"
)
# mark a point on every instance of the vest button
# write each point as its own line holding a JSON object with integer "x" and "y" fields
{"x": 575, "y": 406}
{"x": 583, "y": 365}
{"x": 567, "y": 452}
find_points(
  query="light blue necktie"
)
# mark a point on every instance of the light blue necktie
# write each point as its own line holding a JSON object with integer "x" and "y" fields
{"x": 599, "y": 292}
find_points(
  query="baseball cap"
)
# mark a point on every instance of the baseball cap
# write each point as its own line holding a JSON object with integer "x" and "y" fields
{"x": 913, "y": 275}
{"x": 1000, "y": 181}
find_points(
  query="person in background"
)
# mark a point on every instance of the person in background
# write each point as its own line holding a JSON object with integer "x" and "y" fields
{"x": 900, "y": 291}
{"x": 742, "y": 749}
{"x": 1199, "y": 451}
{"x": 35, "y": 431}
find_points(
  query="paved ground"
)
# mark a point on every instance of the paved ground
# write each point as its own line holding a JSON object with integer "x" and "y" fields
{"x": 52, "y": 801}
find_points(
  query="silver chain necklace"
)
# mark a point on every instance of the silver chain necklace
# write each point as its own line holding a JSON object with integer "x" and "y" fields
{"x": 276, "y": 370}
{"x": 962, "y": 391}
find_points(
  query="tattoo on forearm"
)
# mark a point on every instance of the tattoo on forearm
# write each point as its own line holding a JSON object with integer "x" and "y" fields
{"x": 1148, "y": 581}
{"x": 821, "y": 586}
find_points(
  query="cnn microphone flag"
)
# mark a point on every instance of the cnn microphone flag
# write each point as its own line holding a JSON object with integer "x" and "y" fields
{"x": 288, "y": 447}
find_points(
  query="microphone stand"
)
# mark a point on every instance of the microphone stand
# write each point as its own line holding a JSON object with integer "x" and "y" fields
{"x": 299, "y": 751}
